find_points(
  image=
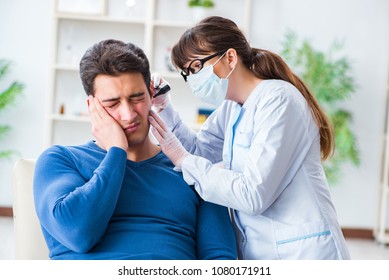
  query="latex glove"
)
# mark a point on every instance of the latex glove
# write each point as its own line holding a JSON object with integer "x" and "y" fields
{"x": 169, "y": 143}
{"x": 161, "y": 95}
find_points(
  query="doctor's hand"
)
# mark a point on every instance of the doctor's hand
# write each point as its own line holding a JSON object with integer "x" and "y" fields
{"x": 169, "y": 143}
{"x": 106, "y": 130}
{"x": 161, "y": 95}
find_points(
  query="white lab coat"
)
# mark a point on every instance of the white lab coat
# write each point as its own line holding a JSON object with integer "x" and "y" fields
{"x": 272, "y": 175}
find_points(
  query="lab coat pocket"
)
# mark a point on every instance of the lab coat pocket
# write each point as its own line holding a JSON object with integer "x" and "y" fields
{"x": 243, "y": 139}
{"x": 307, "y": 242}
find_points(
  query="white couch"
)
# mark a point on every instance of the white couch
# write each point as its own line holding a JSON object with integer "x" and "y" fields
{"x": 29, "y": 241}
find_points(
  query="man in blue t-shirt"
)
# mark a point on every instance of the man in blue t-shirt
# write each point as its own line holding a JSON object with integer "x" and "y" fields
{"x": 118, "y": 196}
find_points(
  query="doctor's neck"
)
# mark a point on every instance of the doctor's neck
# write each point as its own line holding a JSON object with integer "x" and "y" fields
{"x": 241, "y": 84}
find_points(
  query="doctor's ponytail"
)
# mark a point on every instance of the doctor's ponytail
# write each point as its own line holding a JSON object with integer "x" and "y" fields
{"x": 268, "y": 65}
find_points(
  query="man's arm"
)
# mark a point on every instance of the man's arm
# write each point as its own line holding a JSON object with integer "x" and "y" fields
{"x": 215, "y": 235}
{"x": 73, "y": 209}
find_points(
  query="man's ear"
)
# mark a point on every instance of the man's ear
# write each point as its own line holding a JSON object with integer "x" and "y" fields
{"x": 151, "y": 90}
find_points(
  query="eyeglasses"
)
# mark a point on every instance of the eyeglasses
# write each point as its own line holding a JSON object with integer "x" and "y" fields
{"x": 196, "y": 65}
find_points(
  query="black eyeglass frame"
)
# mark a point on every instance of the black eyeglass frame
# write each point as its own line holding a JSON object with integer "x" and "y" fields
{"x": 185, "y": 72}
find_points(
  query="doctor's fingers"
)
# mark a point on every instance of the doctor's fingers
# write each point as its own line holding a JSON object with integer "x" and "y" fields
{"x": 155, "y": 79}
{"x": 156, "y": 128}
{"x": 166, "y": 141}
{"x": 157, "y": 135}
{"x": 158, "y": 131}
{"x": 159, "y": 122}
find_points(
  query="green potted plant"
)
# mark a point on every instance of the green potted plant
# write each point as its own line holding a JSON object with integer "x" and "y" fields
{"x": 329, "y": 77}
{"x": 200, "y": 8}
{"x": 201, "y": 3}
{"x": 7, "y": 97}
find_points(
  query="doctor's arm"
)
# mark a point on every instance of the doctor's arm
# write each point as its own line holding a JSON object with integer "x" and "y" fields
{"x": 279, "y": 145}
{"x": 208, "y": 141}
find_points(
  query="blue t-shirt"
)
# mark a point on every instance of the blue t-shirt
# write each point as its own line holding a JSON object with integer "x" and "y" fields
{"x": 94, "y": 204}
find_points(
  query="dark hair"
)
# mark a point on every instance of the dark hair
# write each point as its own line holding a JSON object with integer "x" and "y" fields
{"x": 112, "y": 57}
{"x": 215, "y": 34}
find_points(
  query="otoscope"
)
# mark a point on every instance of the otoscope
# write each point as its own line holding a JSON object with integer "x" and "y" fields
{"x": 163, "y": 90}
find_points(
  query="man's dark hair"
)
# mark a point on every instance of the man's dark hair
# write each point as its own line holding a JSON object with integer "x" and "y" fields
{"x": 112, "y": 57}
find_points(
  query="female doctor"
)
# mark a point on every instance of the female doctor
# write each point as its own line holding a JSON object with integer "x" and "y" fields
{"x": 271, "y": 135}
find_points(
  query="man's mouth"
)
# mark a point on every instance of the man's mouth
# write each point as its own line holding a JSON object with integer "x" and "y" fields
{"x": 132, "y": 128}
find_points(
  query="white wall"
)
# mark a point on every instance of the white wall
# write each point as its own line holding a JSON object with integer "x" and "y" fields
{"x": 25, "y": 28}
{"x": 363, "y": 25}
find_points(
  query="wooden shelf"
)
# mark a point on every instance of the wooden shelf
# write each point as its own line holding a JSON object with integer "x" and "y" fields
{"x": 99, "y": 18}
{"x": 70, "y": 118}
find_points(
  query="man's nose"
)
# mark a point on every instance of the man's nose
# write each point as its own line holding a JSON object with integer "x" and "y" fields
{"x": 127, "y": 112}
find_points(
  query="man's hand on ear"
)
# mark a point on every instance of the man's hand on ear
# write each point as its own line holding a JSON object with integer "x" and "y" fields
{"x": 106, "y": 130}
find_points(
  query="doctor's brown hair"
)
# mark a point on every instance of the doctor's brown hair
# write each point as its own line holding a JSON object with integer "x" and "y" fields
{"x": 215, "y": 34}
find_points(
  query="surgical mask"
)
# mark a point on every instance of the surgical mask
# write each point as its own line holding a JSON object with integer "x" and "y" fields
{"x": 207, "y": 86}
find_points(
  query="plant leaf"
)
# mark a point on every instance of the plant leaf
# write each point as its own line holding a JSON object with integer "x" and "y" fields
{"x": 331, "y": 81}
{"x": 8, "y": 96}
{"x": 6, "y": 154}
{"x": 3, "y": 130}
